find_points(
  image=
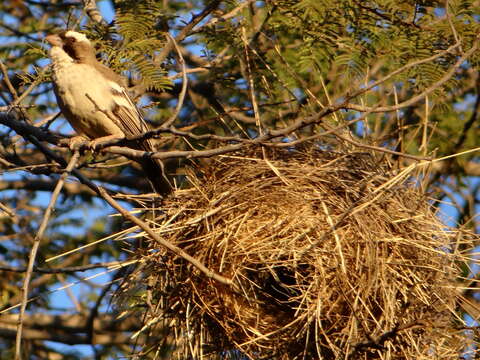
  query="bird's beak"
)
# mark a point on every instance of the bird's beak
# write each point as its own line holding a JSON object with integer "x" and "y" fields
{"x": 54, "y": 40}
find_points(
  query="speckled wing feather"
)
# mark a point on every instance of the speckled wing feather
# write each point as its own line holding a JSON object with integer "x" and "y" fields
{"x": 129, "y": 118}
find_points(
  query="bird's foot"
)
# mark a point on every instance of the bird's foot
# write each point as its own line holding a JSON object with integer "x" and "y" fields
{"x": 77, "y": 142}
{"x": 101, "y": 140}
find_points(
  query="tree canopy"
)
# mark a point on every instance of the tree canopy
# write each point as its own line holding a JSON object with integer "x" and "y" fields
{"x": 213, "y": 77}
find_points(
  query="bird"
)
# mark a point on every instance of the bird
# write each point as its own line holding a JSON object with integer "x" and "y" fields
{"x": 95, "y": 101}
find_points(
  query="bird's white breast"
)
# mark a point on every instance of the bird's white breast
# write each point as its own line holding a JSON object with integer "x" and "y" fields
{"x": 86, "y": 97}
{"x": 83, "y": 89}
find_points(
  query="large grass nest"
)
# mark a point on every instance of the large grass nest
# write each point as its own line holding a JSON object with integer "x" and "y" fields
{"x": 332, "y": 254}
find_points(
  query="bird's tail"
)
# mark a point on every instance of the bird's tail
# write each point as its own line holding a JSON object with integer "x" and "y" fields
{"x": 153, "y": 169}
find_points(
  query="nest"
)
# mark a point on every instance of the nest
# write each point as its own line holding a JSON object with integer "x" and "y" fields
{"x": 332, "y": 257}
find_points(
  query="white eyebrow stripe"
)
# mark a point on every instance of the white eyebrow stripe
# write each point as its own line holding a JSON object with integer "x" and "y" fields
{"x": 78, "y": 36}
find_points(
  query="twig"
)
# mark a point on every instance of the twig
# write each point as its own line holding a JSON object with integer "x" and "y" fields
{"x": 225, "y": 17}
{"x": 7, "y": 81}
{"x": 404, "y": 68}
{"x": 69, "y": 285}
{"x": 25, "y": 129}
{"x": 452, "y": 26}
{"x": 176, "y": 250}
{"x": 378, "y": 148}
{"x": 319, "y": 135}
{"x": 181, "y": 97}
{"x": 448, "y": 75}
{"x": 251, "y": 84}
{"x": 65, "y": 270}
{"x": 10, "y": 107}
{"x": 34, "y": 250}
{"x": 187, "y": 29}
{"x": 377, "y": 342}
{"x": 10, "y": 213}
{"x": 32, "y": 86}
{"x": 91, "y": 9}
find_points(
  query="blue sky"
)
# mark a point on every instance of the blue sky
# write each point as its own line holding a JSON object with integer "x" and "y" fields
{"x": 60, "y": 299}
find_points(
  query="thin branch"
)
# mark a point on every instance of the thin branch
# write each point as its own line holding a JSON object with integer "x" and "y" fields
{"x": 181, "y": 98}
{"x": 65, "y": 270}
{"x": 224, "y": 17}
{"x": 7, "y": 81}
{"x": 187, "y": 29}
{"x": 34, "y": 250}
{"x": 378, "y": 148}
{"x": 448, "y": 75}
{"x": 32, "y": 86}
{"x": 176, "y": 250}
{"x": 404, "y": 68}
{"x": 26, "y": 130}
{"x": 452, "y": 26}
{"x": 91, "y": 9}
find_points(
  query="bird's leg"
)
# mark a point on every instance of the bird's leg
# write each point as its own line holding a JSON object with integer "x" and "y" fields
{"x": 76, "y": 142}
{"x": 94, "y": 143}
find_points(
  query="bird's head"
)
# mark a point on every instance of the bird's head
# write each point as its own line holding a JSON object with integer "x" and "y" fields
{"x": 75, "y": 44}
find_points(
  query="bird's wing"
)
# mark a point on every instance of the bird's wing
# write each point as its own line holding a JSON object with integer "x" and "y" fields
{"x": 124, "y": 112}
{"x": 127, "y": 116}
{"x": 131, "y": 122}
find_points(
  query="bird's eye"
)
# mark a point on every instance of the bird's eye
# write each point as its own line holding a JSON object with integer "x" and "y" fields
{"x": 72, "y": 39}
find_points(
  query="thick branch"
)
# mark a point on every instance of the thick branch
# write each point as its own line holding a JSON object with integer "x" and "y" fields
{"x": 71, "y": 329}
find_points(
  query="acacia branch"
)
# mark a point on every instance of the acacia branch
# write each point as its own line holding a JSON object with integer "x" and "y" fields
{"x": 187, "y": 30}
{"x": 91, "y": 9}
{"x": 63, "y": 270}
{"x": 448, "y": 75}
{"x": 176, "y": 250}
{"x": 379, "y": 341}
{"x": 181, "y": 98}
{"x": 34, "y": 250}
{"x": 104, "y": 194}
{"x": 71, "y": 189}
{"x": 72, "y": 329}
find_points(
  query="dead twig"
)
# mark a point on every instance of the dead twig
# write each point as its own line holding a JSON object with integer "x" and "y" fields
{"x": 181, "y": 98}
{"x": 176, "y": 250}
{"x": 34, "y": 250}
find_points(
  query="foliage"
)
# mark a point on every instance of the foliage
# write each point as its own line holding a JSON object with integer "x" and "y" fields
{"x": 259, "y": 73}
